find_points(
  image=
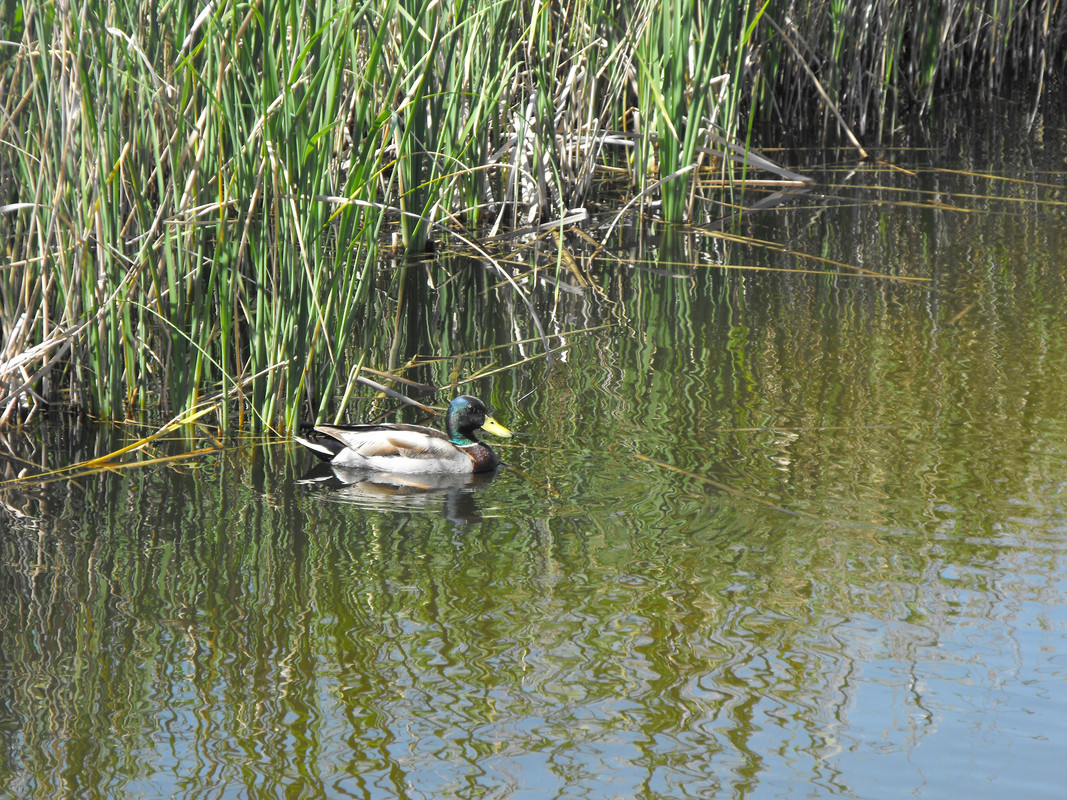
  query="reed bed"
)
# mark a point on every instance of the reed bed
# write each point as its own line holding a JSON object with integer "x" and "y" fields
{"x": 194, "y": 198}
{"x": 867, "y": 67}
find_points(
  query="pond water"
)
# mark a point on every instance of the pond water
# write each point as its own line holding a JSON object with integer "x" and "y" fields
{"x": 790, "y": 522}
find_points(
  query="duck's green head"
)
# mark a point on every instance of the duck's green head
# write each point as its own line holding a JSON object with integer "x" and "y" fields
{"x": 467, "y": 414}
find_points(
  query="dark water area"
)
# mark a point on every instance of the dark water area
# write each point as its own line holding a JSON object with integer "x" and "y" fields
{"x": 790, "y": 522}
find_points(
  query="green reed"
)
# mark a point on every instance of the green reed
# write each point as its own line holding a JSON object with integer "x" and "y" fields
{"x": 194, "y": 195}
{"x": 167, "y": 246}
{"x": 880, "y": 63}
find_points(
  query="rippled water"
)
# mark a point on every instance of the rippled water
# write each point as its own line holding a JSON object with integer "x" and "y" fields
{"x": 776, "y": 534}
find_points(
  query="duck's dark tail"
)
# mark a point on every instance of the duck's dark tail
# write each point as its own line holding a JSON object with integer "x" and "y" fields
{"x": 325, "y": 448}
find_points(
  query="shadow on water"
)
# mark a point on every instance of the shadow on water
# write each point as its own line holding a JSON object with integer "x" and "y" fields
{"x": 795, "y": 526}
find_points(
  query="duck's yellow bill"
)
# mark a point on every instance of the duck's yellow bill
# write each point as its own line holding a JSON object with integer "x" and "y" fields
{"x": 495, "y": 428}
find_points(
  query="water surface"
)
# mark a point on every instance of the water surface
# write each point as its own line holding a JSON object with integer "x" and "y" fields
{"x": 795, "y": 530}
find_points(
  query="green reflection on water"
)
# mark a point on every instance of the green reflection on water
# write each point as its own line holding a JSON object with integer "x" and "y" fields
{"x": 854, "y": 591}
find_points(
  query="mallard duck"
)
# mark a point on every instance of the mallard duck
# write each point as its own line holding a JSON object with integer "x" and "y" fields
{"x": 414, "y": 448}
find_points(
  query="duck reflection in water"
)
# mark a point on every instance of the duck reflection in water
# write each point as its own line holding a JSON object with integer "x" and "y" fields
{"x": 382, "y": 491}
